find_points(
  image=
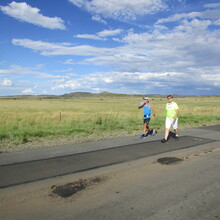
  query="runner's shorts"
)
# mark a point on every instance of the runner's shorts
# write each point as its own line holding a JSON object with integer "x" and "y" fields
{"x": 171, "y": 122}
{"x": 146, "y": 120}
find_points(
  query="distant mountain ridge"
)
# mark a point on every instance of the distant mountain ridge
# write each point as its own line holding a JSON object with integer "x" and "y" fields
{"x": 68, "y": 95}
{"x": 84, "y": 95}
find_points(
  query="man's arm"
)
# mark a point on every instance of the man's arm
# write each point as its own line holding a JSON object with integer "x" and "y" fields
{"x": 153, "y": 111}
{"x": 177, "y": 113}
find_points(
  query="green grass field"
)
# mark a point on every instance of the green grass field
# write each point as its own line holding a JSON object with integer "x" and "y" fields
{"x": 24, "y": 120}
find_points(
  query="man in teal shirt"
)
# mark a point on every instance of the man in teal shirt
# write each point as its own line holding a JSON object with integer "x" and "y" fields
{"x": 148, "y": 109}
{"x": 172, "y": 112}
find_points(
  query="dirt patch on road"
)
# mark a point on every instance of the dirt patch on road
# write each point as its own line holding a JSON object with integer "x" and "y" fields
{"x": 71, "y": 188}
{"x": 169, "y": 160}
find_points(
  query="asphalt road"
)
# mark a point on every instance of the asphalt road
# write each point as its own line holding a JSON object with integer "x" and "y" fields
{"x": 30, "y": 171}
{"x": 134, "y": 185}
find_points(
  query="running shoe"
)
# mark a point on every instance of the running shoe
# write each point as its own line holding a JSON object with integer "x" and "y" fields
{"x": 153, "y": 132}
{"x": 164, "y": 140}
{"x": 142, "y": 136}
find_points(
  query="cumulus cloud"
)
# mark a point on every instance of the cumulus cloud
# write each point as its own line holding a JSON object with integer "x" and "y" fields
{"x": 188, "y": 44}
{"x": 88, "y": 36}
{"x": 134, "y": 82}
{"x": 107, "y": 33}
{"x": 6, "y": 82}
{"x": 24, "y": 12}
{"x": 184, "y": 56}
{"x": 212, "y": 5}
{"x": 102, "y": 35}
{"x": 28, "y": 91}
{"x": 212, "y": 13}
{"x": 98, "y": 19}
{"x": 47, "y": 48}
{"x": 123, "y": 10}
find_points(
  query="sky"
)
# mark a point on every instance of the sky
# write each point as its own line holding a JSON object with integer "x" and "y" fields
{"x": 121, "y": 46}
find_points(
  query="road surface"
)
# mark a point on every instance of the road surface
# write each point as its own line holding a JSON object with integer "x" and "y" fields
{"x": 130, "y": 183}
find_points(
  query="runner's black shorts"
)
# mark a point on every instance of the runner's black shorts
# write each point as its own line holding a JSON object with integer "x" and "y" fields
{"x": 146, "y": 120}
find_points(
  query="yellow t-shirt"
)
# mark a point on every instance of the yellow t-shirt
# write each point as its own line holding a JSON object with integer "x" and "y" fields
{"x": 171, "y": 109}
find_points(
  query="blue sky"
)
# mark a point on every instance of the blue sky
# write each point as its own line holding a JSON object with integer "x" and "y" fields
{"x": 133, "y": 47}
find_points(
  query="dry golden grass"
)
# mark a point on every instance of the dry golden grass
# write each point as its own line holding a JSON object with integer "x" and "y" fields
{"x": 22, "y": 120}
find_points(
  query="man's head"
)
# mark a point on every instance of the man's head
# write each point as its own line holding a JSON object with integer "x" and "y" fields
{"x": 170, "y": 98}
{"x": 146, "y": 99}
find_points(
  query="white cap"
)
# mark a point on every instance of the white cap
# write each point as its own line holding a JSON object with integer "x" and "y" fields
{"x": 146, "y": 98}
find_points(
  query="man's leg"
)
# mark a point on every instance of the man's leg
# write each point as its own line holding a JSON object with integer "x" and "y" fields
{"x": 176, "y": 131}
{"x": 176, "y": 134}
{"x": 168, "y": 126}
{"x": 144, "y": 132}
{"x": 175, "y": 127}
{"x": 148, "y": 130}
{"x": 145, "y": 128}
{"x": 167, "y": 131}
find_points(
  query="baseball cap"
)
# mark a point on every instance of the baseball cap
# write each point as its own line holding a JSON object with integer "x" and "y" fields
{"x": 146, "y": 98}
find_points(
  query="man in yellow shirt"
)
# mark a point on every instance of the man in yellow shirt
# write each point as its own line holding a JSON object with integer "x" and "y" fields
{"x": 172, "y": 112}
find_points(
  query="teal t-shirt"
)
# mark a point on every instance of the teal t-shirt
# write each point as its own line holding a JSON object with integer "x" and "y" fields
{"x": 147, "y": 111}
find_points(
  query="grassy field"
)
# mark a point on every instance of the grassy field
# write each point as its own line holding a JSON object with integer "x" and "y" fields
{"x": 24, "y": 120}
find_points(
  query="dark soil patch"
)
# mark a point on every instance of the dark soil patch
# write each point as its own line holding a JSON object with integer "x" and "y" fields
{"x": 69, "y": 189}
{"x": 169, "y": 160}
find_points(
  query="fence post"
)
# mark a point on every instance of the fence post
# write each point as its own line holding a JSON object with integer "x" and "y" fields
{"x": 17, "y": 121}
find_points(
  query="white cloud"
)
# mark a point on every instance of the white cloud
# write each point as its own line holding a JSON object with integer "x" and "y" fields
{"x": 23, "y": 12}
{"x": 6, "y": 71}
{"x": 88, "y": 36}
{"x": 28, "y": 91}
{"x": 126, "y": 81}
{"x": 188, "y": 44}
{"x": 102, "y": 35}
{"x": 6, "y": 82}
{"x": 137, "y": 81}
{"x": 212, "y": 5}
{"x": 212, "y": 14}
{"x": 217, "y": 22}
{"x": 69, "y": 62}
{"x": 44, "y": 92}
{"x": 65, "y": 70}
{"x": 21, "y": 71}
{"x": 154, "y": 59}
{"x": 107, "y": 33}
{"x": 72, "y": 74}
{"x": 214, "y": 78}
{"x": 123, "y": 9}
{"x": 98, "y": 19}
{"x": 47, "y": 48}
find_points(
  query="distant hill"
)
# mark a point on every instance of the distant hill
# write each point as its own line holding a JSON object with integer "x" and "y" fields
{"x": 84, "y": 95}
{"x": 68, "y": 95}
{"x": 77, "y": 94}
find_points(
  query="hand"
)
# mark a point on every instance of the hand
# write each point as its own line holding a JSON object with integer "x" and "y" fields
{"x": 141, "y": 104}
{"x": 174, "y": 116}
